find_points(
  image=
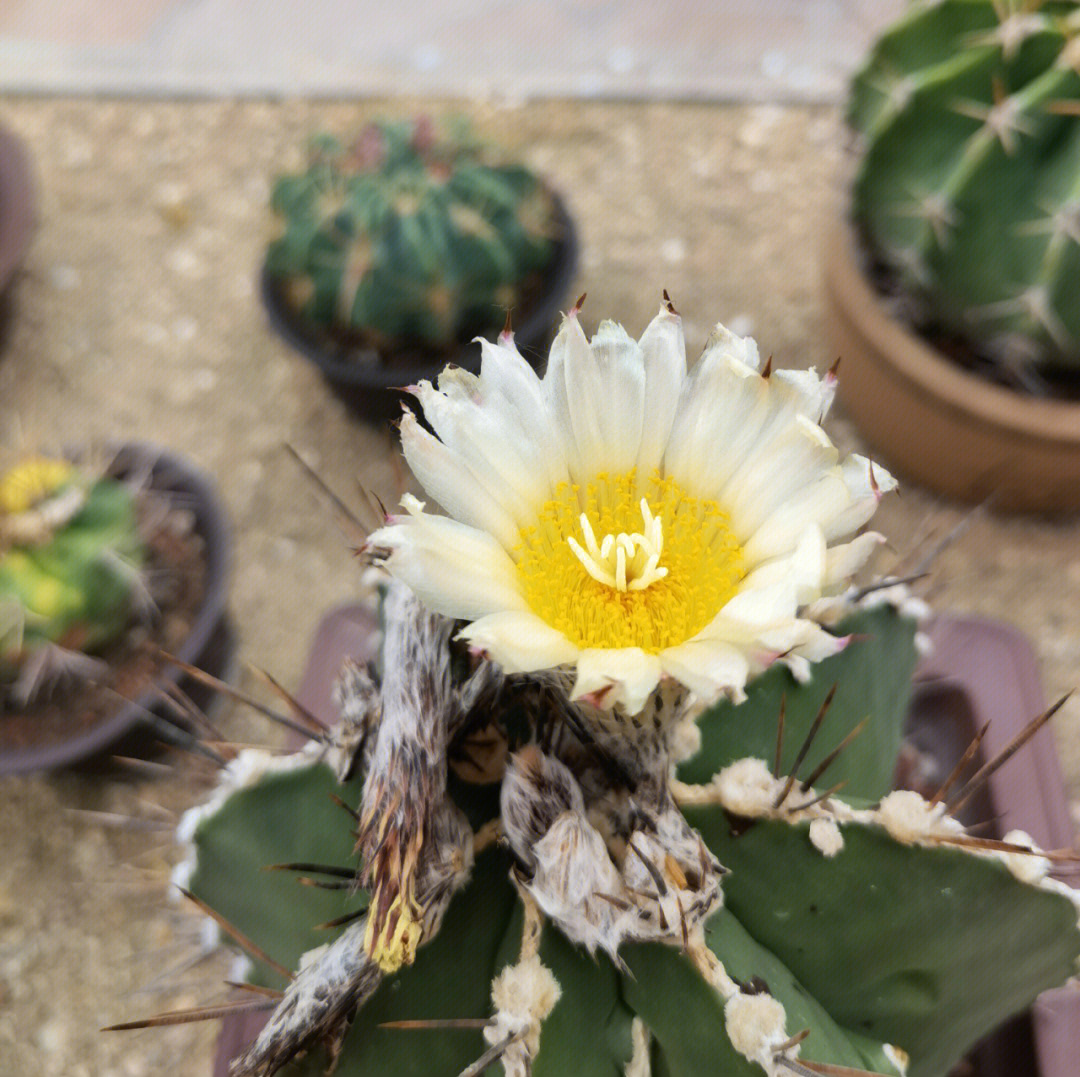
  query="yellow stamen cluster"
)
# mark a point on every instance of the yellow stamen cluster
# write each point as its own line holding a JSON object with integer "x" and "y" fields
{"x": 704, "y": 564}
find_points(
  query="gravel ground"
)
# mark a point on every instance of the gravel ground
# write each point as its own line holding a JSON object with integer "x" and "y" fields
{"x": 137, "y": 316}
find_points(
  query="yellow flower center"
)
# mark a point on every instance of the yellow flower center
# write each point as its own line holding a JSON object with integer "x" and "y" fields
{"x": 31, "y": 481}
{"x": 609, "y": 567}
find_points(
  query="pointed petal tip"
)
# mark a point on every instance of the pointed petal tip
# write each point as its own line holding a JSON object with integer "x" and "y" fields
{"x": 669, "y": 306}
{"x": 507, "y": 333}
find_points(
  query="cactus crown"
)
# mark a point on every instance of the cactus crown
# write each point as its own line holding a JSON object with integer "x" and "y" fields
{"x": 70, "y": 557}
{"x": 968, "y": 186}
{"x": 408, "y": 236}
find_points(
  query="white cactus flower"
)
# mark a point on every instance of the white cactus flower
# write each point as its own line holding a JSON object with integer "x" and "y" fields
{"x": 629, "y": 520}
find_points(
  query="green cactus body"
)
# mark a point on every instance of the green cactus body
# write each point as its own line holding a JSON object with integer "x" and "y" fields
{"x": 886, "y": 948}
{"x": 968, "y": 187}
{"x": 403, "y": 238}
{"x": 68, "y": 577}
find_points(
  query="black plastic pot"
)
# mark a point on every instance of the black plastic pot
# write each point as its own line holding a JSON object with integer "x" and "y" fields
{"x": 371, "y": 386}
{"x": 209, "y": 644}
{"x": 16, "y": 210}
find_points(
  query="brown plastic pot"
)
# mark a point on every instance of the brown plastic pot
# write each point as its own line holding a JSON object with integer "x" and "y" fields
{"x": 16, "y": 206}
{"x": 979, "y": 671}
{"x": 935, "y": 423}
{"x": 138, "y": 724}
{"x": 984, "y": 671}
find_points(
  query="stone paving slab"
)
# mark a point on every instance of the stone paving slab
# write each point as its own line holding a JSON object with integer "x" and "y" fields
{"x": 746, "y": 50}
{"x": 136, "y": 315}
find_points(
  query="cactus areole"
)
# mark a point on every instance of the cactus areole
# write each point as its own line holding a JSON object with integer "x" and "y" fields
{"x": 636, "y": 821}
{"x": 967, "y": 192}
{"x": 409, "y": 237}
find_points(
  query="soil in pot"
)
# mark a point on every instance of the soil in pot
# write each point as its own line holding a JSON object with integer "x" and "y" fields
{"x": 123, "y": 704}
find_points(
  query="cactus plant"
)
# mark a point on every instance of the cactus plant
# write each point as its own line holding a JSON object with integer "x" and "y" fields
{"x": 968, "y": 181}
{"x": 409, "y": 237}
{"x": 642, "y": 827}
{"x": 70, "y": 561}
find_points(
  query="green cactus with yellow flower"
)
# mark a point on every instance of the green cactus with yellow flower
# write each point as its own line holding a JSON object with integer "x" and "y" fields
{"x": 70, "y": 561}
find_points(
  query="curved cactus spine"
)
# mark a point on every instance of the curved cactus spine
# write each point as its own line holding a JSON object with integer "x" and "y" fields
{"x": 968, "y": 186}
{"x": 70, "y": 561}
{"x": 408, "y": 237}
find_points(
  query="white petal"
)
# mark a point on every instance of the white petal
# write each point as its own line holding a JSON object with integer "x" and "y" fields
{"x": 664, "y": 351}
{"x": 812, "y": 394}
{"x": 773, "y": 472}
{"x": 722, "y": 341}
{"x": 625, "y": 676}
{"x": 605, "y": 395}
{"x": 488, "y": 440}
{"x": 805, "y": 568}
{"x": 721, "y": 409}
{"x": 446, "y": 478}
{"x": 760, "y": 607}
{"x": 867, "y": 483}
{"x": 569, "y": 351}
{"x": 819, "y": 502}
{"x": 843, "y": 561}
{"x": 708, "y": 667}
{"x": 520, "y": 642}
{"x": 504, "y": 372}
{"x": 456, "y": 570}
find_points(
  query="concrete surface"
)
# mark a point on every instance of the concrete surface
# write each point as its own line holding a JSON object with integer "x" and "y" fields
{"x": 137, "y": 315}
{"x": 761, "y": 50}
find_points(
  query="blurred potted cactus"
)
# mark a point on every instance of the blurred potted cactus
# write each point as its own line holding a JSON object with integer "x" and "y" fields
{"x": 953, "y": 294}
{"x": 614, "y": 794}
{"x": 101, "y": 563}
{"x": 399, "y": 249}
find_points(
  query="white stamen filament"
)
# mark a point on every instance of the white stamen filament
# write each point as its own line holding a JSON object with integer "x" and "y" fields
{"x": 627, "y": 562}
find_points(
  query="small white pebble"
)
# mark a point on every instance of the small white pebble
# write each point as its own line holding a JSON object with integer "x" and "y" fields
{"x": 65, "y": 278}
{"x": 673, "y": 251}
{"x": 742, "y": 325}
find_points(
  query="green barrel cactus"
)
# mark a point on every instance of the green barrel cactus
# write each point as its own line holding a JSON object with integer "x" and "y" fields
{"x": 718, "y": 918}
{"x": 408, "y": 237}
{"x": 70, "y": 561}
{"x": 968, "y": 183}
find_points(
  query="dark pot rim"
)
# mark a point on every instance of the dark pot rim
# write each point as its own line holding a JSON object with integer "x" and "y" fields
{"x": 16, "y": 204}
{"x": 174, "y": 475}
{"x": 358, "y": 368}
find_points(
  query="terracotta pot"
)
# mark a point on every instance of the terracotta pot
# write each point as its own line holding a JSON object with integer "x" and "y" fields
{"x": 16, "y": 206}
{"x": 934, "y": 422}
{"x": 979, "y": 670}
{"x": 371, "y": 386}
{"x": 209, "y": 643}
